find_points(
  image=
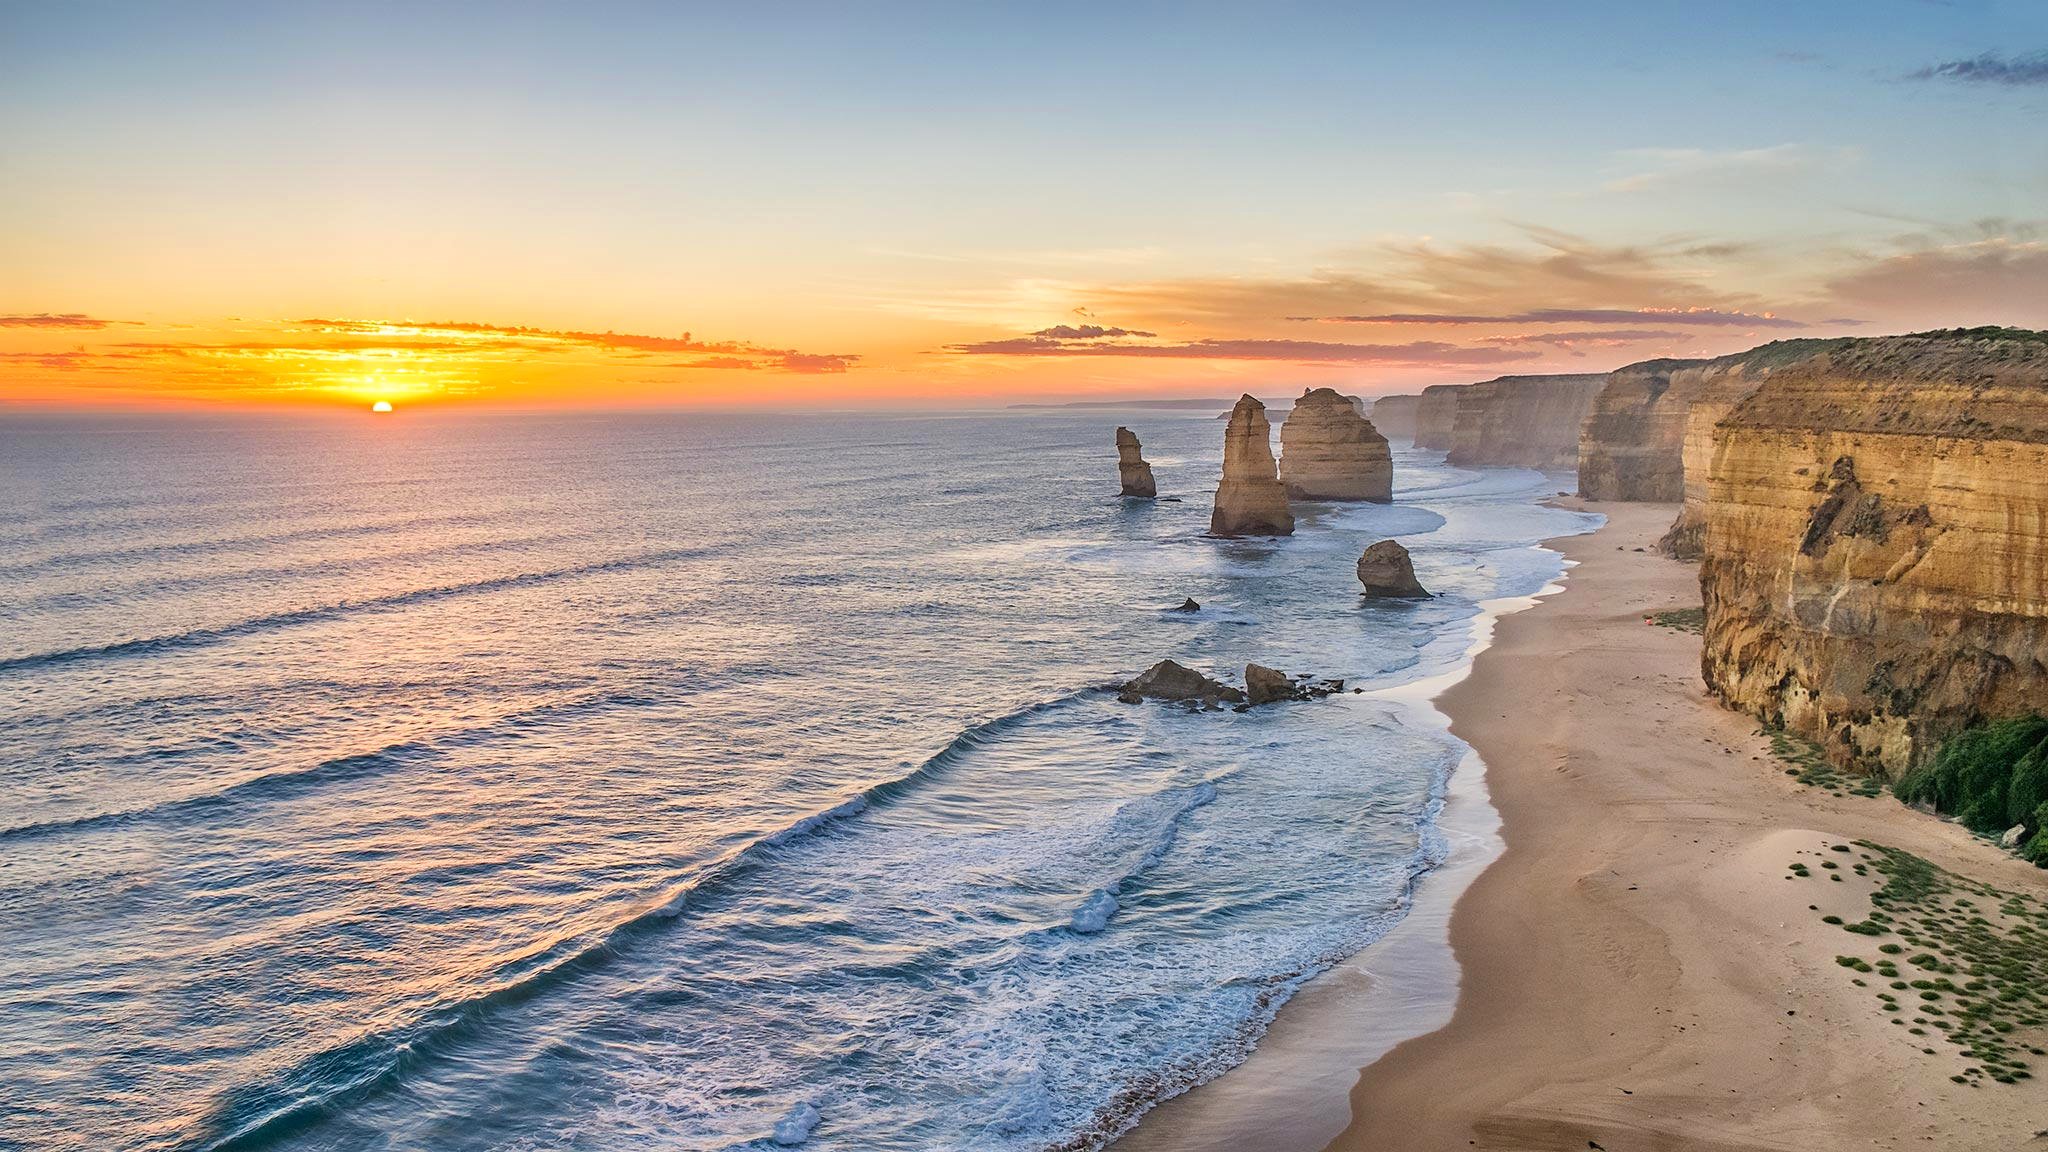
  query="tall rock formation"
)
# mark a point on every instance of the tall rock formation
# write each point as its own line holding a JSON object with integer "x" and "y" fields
{"x": 1875, "y": 569}
{"x": 1524, "y": 421}
{"x": 1330, "y": 452}
{"x": 1436, "y": 415}
{"x": 1394, "y": 416}
{"x": 1131, "y": 466}
{"x": 1722, "y": 384}
{"x": 1250, "y": 500}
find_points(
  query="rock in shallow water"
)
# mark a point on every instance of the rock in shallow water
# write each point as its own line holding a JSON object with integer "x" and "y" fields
{"x": 1265, "y": 685}
{"x": 1131, "y": 467}
{"x": 1386, "y": 571}
{"x": 1331, "y": 452}
{"x": 1168, "y": 680}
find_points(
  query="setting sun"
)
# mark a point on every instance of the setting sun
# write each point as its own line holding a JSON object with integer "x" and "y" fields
{"x": 381, "y": 406}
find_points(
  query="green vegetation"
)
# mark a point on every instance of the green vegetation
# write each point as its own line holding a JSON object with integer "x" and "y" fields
{"x": 1693, "y": 620}
{"x": 1805, "y": 761}
{"x": 1991, "y": 778}
{"x": 1986, "y": 991}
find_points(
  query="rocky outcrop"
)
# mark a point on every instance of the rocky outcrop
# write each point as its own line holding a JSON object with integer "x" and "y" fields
{"x": 1710, "y": 390}
{"x": 1387, "y": 571}
{"x": 1330, "y": 452}
{"x": 1131, "y": 466}
{"x": 1263, "y": 685}
{"x": 1250, "y": 500}
{"x": 1523, "y": 421}
{"x": 1875, "y": 567}
{"x": 1169, "y": 680}
{"x": 1436, "y": 416}
{"x": 1394, "y": 416}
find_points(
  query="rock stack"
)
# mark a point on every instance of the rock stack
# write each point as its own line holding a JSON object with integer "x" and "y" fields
{"x": 1331, "y": 452}
{"x": 1250, "y": 501}
{"x": 1131, "y": 466}
{"x": 1386, "y": 571}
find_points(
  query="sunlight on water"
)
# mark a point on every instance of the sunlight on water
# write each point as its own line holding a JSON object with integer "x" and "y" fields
{"x": 707, "y": 781}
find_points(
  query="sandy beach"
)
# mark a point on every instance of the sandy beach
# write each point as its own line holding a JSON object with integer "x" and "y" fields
{"x": 1636, "y": 970}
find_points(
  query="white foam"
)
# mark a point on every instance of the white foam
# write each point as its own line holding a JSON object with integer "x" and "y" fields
{"x": 795, "y": 1126}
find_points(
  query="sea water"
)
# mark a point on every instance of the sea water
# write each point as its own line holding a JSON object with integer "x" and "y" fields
{"x": 685, "y": 781}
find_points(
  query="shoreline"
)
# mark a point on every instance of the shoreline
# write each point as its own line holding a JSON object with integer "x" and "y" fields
{"x": 1632, "y": 970}
{"x": 1289, "y": 1095}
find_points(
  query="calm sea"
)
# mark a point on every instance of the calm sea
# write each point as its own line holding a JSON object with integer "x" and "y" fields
{"x": 682, "y": 782}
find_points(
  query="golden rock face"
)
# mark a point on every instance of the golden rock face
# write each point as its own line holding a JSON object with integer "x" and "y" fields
{"x": 1436, "y": 416}
{"x": 1874, "y": 536}
{"x": 1329, "y": 451}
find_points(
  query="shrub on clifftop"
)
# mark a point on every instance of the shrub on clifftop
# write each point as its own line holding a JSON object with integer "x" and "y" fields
{"x": 1991, "y": 778}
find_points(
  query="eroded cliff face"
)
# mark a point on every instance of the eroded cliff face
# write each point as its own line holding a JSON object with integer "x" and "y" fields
{"x": 1249, "y": 499}
{"x": 1394, "y": 416}
{"x": 1436, "y": 415}
{"x": 1525, "y": 421}
{"x": 1629, "y": 446}
{"x": 1330, "y": 452}
{"x": 1875, "y": 567}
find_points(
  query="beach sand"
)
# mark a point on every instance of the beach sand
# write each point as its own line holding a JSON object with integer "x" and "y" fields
{"x": 1636, "y": 971}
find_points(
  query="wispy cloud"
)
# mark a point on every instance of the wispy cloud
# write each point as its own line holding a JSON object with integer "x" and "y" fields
{"x": 1990, "y": 68}
{"x": 1291, "y": 351}
{"x": 1707, "y": 316}
{"x": 1609, "y": 338}
{"x": 1662, "y": 168}
{"x": 784, "y": 359}
{"x": 58, "y": 320}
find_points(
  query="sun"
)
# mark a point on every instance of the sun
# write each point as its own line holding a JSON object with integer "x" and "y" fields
{"x": 381, "y": 406}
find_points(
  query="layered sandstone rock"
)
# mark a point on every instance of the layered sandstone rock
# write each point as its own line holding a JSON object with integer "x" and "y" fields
{"x": 1387, "y": 571}
{"x": 1436, "y": 415}
{"x": 1131, "y": 466}
{"x": 1250, "y": 500}
{"x": 1875, "y": 569}
{"x": 1524, "y": 421}
{"x": 1330, "y": 452}
{"x": 1394, "y": 416}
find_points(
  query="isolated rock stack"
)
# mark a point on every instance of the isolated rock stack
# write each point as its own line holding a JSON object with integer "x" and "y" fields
{"x": 1131, "y": 467}
{"x": 1250, "y": 500}
{"x": 1331, "y": 452}
{"x": 1386, "y": 571}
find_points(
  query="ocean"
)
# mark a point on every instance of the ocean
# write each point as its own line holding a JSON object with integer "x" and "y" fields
{"x": 685, "y": 781}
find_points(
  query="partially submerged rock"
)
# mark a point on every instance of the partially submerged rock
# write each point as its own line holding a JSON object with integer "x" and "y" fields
{"x": 1169, "y": 680}
{"x": 1250, "y": 500}
{"x": 1329, "y": 451}
{"x": 1386, "y": 571}
{"x": 1188, "y": 605}
{"x": 1131, "y": 467}
{"x": 1263, "y": 685}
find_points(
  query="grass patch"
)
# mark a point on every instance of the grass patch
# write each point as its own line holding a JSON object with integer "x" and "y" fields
{"x": 1693, "y": 620}
{"x": 1991, "y": 971}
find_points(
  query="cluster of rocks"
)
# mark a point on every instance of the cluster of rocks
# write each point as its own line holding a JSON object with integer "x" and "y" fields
{"x": 1176, "y": 683}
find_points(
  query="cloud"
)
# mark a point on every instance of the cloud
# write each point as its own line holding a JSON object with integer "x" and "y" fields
{"x": 1710, "y": 316}
{"x": 1990, "y": 279}
{"x": 1990, "y": 68}
{"x": 1662, "y": 168}
{"x": 1292, "y": 351}
{"x": 1086, "y": 332}
{"x": 57, "y": 320}
{"x": 719, "y": 352}
{"x": 1613, "y": 338}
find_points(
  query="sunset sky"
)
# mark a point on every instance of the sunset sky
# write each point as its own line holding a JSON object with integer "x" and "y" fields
{"x": 828, "y": 205}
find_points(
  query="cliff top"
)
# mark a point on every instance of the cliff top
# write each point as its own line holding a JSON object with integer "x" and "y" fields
{"x": 1978, "y": 383}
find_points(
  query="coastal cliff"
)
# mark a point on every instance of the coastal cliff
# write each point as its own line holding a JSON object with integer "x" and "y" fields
{"x": 1250, "y": 500}
{"x": 1875, "y": 558}
{"x": 1331, "y": 452}
{"x": 1716, "y": 387}
{"x": 1525, "y": 421}
{"x": 1436, "y": 415}
{"x": 1394, "y": 416}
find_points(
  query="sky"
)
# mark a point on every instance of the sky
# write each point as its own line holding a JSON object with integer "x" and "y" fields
{"x": 834, "y": 205}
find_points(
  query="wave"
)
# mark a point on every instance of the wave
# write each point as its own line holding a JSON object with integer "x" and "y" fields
{"x": 319, "y": 1085}
{"x": 283, "y": 785}
{"x": 201, "y": 637}
{"x": 1094, "y": 913}
{"x": 91, "y": 556}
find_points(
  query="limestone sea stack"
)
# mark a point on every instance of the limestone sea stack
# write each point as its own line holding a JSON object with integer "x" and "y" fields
{"x": 1131, "y": 466}
{"x": 1250, "y": 500}
{"x": 1875, "y": 568}
{"x": 1330, "y": 452}
{"x": 1387, "y": 572}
